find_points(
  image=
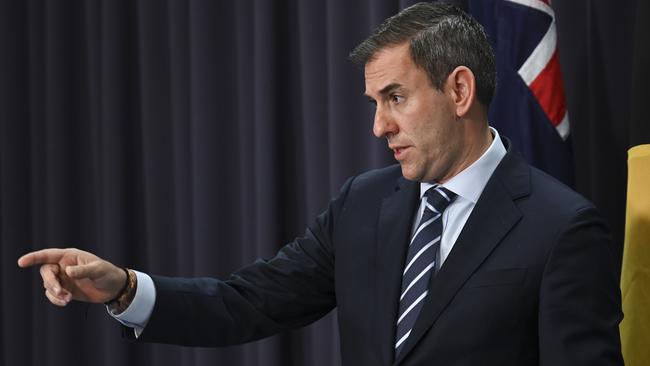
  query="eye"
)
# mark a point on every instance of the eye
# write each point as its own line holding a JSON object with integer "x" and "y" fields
{"x": 396, "y": 98}
{"x": 372, "y": 102}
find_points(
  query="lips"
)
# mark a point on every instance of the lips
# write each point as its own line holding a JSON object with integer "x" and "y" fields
{"x": 399, "y": 151}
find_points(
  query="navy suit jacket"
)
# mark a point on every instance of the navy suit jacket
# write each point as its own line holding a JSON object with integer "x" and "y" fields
{"x": 530, "y": 280}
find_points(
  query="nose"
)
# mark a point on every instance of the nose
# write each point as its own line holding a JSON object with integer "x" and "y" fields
{"x": 384, "y": 125}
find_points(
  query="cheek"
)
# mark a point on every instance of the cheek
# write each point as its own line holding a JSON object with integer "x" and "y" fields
{"x": 430, "y": 138}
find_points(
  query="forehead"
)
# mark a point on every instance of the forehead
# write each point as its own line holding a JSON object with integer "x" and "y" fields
{"x": 388, "y": 66}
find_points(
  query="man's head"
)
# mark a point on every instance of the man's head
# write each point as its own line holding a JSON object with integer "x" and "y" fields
{"x": 425, "y": 68}
{"x": 441, "y": 37}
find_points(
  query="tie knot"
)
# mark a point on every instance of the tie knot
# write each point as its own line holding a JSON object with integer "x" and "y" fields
{"x": 440, "y": 197}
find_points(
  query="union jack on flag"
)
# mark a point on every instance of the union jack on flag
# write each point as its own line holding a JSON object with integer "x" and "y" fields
{"x": 529, "y": 106}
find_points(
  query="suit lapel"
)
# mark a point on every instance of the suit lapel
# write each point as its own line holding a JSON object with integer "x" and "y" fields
{"x": 493, "y": 216}
{"x": 394, "y": 229}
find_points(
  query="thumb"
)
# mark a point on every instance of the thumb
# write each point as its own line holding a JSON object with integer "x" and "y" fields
{"x": 91, "y": 270}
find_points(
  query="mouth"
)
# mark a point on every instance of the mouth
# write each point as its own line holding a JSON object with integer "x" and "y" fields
{"x": 399, "y": 152}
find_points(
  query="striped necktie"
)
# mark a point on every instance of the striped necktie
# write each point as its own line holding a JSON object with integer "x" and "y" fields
{"x": 420, "y": 262}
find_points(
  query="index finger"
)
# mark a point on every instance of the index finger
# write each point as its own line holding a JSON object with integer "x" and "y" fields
{"x": 52, "y": 255}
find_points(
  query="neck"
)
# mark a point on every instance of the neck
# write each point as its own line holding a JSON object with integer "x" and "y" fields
{"x": 479, "y": 138}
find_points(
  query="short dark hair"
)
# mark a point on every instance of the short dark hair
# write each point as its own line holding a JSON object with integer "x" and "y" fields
{"x": 442, "y": 37}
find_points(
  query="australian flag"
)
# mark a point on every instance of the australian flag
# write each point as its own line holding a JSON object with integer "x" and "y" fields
{"x": 529, "y": 106}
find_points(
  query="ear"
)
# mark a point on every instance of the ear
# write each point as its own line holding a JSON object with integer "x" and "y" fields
{"x": 462, "y": 86}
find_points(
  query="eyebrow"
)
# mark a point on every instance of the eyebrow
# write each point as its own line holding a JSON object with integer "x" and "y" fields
{"x": 388, "y": 89}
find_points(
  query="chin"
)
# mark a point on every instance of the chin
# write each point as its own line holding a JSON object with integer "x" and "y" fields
{"x": 411, "y": 175}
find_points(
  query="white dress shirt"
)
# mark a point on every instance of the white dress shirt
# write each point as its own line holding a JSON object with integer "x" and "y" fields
{"x": 468, "y": 185}
{"x": 137, "y": 314}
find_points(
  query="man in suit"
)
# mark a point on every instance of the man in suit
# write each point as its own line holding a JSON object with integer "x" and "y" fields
{"x": 460, "y": 255}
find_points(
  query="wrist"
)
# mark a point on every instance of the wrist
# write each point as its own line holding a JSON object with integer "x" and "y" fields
{"x": 124, "y": 298}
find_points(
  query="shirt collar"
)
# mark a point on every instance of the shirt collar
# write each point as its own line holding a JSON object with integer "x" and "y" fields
{"x": 470, "y": 182}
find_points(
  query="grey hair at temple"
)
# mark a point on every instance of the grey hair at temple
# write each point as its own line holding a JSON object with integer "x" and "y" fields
{"x": 442, "y": 37}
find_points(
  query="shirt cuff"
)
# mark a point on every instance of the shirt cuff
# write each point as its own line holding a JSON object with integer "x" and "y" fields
{"x": 137, "y": 314}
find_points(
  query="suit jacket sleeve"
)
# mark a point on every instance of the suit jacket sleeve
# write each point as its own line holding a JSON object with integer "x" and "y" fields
{"x": 294, "y": 288}
{"x": 579, "y": 306}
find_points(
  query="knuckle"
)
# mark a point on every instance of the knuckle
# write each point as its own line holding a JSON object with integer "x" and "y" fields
{"x": 48, "y": 269}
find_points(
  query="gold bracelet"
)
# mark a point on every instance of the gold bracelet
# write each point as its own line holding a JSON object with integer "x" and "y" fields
{"x": 124, "y": 298}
